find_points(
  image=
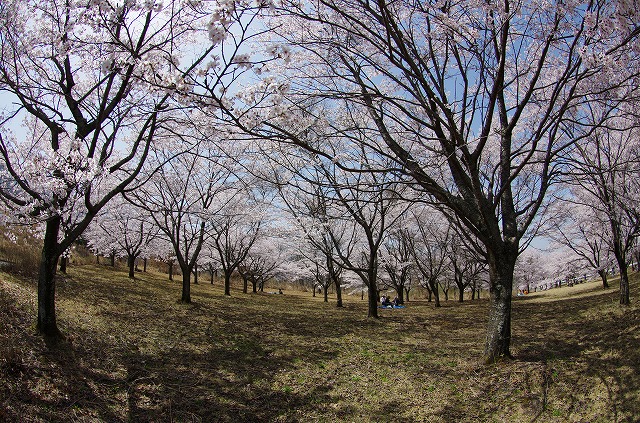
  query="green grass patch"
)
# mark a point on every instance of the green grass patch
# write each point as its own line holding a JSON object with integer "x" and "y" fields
{"x": 135, "y": 354}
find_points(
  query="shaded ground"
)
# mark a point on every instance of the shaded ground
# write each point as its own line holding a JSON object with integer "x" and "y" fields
{"x": 135, "y": 354}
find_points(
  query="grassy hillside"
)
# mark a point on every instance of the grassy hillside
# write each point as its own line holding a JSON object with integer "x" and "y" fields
{"x": 135, "y": 354}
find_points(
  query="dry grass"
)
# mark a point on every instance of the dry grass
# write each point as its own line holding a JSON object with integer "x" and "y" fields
{"x": 135, "y": 354}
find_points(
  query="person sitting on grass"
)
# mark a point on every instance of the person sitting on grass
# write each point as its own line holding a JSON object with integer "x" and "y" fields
{"x": 385, "y": 302}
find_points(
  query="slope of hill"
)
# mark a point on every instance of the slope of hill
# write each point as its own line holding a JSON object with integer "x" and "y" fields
{"x": 133, "y": 353}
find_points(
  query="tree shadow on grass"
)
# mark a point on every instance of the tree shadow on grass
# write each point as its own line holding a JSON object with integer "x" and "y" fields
{"x": 581, "y": 345}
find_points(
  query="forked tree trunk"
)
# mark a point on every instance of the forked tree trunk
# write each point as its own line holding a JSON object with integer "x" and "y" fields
{"x": 499, "y": 323}
{"x": 46, "y": 324}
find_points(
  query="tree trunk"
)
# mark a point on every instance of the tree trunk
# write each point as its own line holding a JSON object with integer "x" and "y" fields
{"x": 338, "y": 293}
{"x": 195, "y": 274}
{"x": 460, "y": 295}
{"x": 436, "y": 292}
{"x": 63, "y": 264}
{"x": 112, "y": 258}
{"x": 186, "y": 285}
{"x": 46, "y": 324}
{"x": 603, "y": 276}
{"x": 624, "y": 284}
{"x": 227, "y": 283}
{"x": 170, "y": 264}
{"x": 326, "y": 293}
{"x": 499, "y": 323}
{"x": 144, "y": 265}
{"x": 131, "y": 263}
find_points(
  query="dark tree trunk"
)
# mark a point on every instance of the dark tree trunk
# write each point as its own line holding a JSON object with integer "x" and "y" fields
{"x": 63, "y": 264}
{"x": 373, "y": 303}
{"x": 46, "y": 324}
{"x": 131, "y": 263}
{"x": 170, "y": 264}
{"x": 325, "y": 288}
{"x": 460, "y": 295}
{"x": 195, "y": 274}
{"x": 97, "y": 259}
{"x": 338, "y": 293}
{"x": 112, "y": 258}
{"x": 499, "y": 323}
{"x": 144, "y": 265}
{"x": 603, "y": 276}
{"x": 227, "y": 283}
{"x": 406, "y": 292}
{"x": 624, "y": 284}
{"x": 186, "y": 285}
{"x": 245, "y": 284}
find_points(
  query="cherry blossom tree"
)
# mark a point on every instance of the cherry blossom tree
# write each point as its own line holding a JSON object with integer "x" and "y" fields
{"x": 234, "y": 229}
{"x": 181, "y": 193}
{"x": 124, "y": 227}
{"x": 529, "y": 271}
{"x": 325, "y": 233}
{"x": 468, "y": 99}
{"x": 429, "y": 248}
{"x": 397, "y": 259}
{"x": 584, "y": 230}
{"x": 606, "y": 180}
{"x": 91, "y": 82}
{"x": 264, "y": 260}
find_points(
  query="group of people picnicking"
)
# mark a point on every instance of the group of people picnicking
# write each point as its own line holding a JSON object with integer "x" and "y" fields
{"x": 387, "y": 302}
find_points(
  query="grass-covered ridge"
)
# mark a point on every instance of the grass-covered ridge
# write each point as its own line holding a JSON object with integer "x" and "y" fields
{"x": 135, "y": 354}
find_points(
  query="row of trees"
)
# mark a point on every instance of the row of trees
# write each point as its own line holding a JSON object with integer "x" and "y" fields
{"x": 355, "y": 111}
